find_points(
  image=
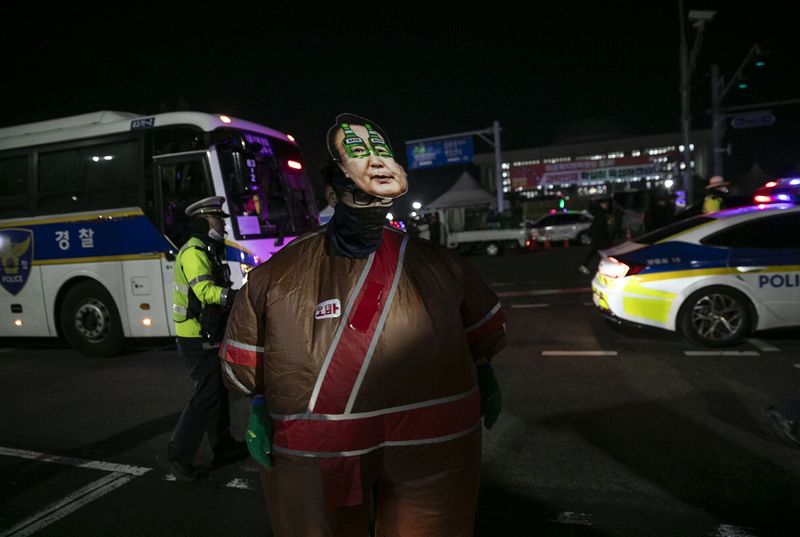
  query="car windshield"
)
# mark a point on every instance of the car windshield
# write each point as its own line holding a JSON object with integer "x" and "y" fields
{"x": 673, "y": 229}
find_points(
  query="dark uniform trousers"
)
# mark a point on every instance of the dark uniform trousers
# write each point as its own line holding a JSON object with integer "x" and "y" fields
{"x": 206, "y": 412}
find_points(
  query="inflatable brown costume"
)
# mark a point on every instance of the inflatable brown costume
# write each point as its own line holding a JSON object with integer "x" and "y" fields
{"x": 367, "y": 347}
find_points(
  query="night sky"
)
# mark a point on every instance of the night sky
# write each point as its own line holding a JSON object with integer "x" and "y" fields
{"x": 415, "y": 71}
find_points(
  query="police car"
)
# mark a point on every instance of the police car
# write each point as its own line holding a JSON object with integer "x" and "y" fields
{"x": 714, "y": 278}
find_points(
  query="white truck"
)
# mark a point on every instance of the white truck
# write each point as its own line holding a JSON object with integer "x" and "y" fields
{"x": 489, "y": 241}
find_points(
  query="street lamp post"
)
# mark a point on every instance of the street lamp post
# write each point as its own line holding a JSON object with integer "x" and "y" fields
{"x": 688, "y": 60}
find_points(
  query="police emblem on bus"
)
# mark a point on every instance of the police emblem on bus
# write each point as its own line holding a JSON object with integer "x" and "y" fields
{"x": 16, "y": 258}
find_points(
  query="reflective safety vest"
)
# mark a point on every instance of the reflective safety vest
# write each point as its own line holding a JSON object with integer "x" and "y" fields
{"x": 712, "y": 204}
{"x": 200, "y": 279}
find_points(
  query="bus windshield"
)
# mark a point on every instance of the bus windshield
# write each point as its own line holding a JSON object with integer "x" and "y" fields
{"x": 266, "y": 186}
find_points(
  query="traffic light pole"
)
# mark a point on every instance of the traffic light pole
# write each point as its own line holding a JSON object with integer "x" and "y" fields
{"x": 718, "y": 92}
{"x": 717, "y": 120}
{"x": 494, "y": 141}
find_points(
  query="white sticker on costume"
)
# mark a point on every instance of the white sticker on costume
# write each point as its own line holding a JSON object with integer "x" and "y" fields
{"x": 328, "y": 309}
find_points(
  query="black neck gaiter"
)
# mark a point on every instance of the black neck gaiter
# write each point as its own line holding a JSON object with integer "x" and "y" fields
{"x": 356, "y": 232}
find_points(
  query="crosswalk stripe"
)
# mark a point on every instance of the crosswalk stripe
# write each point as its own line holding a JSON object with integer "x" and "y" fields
{"x": 721, "y": 353}
{"x": 579, "y": 353}
{"x": 762, "y": 345}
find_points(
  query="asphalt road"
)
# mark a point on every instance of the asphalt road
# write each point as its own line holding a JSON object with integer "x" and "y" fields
{"x": 604, "y": 431}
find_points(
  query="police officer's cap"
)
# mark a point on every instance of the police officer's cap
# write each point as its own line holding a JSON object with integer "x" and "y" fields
{"x": 211, "y": 206}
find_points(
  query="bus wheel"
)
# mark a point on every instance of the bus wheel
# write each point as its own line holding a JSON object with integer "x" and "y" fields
{"x": 90, "y": 320}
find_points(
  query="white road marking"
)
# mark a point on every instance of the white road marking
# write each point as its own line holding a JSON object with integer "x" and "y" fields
{"x": 540, "y": 292}
{"x": 762, "y": 345}
{"x": 500, "y": 284}
{"x": 727, "y": 530}
{"x": 5, "y": 350}
{"x": 797, "y": 366}
{"x": 571, "y": 517}
{"x": 72, "y": 461}
{"x": 58, "y": 510}
{"x": 579, "y": 353}
{"x": 721, "y": 353}
{"x": 529, "y": 305}
{"x": 238, "y": 483}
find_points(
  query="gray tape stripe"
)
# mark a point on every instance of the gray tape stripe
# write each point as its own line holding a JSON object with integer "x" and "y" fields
{"x": 485, "y": 318}
{"x": 228, "y": 370}
{"x": 342, "y": 324}
{"x": 374, "y": 413}
{"x": 329, "y": 454}
{"x": 181, "y": 288}
{"x": 378, "y": 329}
{"x": 201, "y": 278}
{"x": 244, "y": 346}
{"x": 179, "y": 309}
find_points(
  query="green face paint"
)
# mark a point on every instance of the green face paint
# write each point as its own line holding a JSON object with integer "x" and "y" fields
{"x": 380, "y": 147}
{"x": 354, "y": 145}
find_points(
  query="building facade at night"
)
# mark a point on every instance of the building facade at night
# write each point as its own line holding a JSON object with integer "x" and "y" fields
{"x": 583, "y": 170}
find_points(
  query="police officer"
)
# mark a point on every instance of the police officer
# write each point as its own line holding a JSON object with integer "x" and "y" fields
{"x": 717, "y": 188}
{"x": 201, "y": 295}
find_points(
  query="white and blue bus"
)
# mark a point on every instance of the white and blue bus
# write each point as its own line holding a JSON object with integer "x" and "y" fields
{"x": 92, "y": 215}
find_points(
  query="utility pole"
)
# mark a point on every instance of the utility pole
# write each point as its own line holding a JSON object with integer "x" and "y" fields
{"x": 498, "y": 166}
{"x": 688, "y": 60}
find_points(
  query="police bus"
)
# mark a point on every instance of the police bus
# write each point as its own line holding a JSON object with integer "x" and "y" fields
{"x": 92, "y": 216}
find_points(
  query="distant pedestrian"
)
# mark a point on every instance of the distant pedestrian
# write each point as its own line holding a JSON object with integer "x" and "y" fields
{"x": 784, "y": 417}
{"x": 717, "y": 191}
{"x": 435, "y": 229}
{"x": 660, "y": 214}
{"x": 599, "y": 233}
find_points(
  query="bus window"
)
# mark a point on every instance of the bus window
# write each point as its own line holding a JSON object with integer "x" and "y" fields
{"x": 15, "y": 198}
{"x": 62, "y": 183}
{"x": 182, "y": 183}
{"x": 96, "y": 177}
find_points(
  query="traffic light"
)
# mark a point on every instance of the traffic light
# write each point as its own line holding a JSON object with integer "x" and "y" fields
{"x": 561, "y": 203}
{"x": 755, "y": 59}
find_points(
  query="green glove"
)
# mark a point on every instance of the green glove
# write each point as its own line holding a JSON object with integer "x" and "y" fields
{"x": 491, "y": 398}
{"x": 259, "y": 432}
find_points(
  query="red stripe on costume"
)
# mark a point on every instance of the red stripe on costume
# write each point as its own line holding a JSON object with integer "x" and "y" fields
{"x": 337, "y": 436}
{"x": 239, "y": 356}
{"x": 492, "y": 324}
{"x": 347, "y": 359}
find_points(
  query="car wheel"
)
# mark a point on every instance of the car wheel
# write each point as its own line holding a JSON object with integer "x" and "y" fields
{"x": 493, "y": 249}
{"x": 90, "y": 321}
{"x": 584, "y": 239}
{"x": 715, "y": 316}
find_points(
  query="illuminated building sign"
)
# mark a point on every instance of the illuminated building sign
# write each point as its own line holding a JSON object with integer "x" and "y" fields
{"x": 530, "y": 176}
